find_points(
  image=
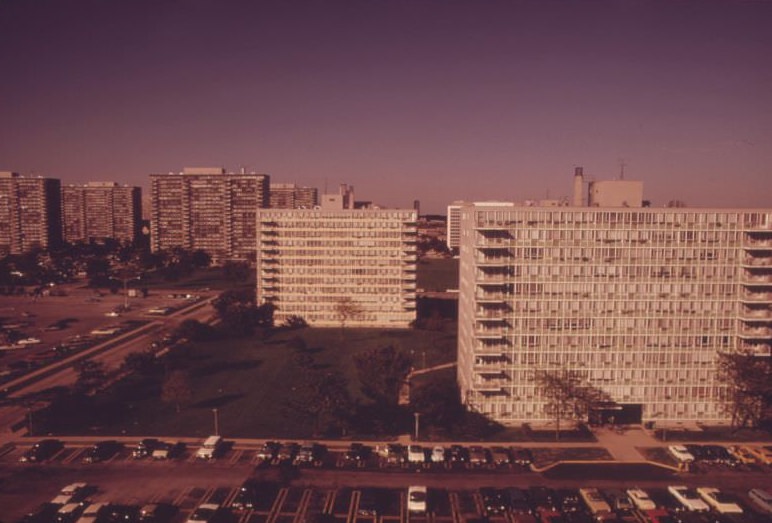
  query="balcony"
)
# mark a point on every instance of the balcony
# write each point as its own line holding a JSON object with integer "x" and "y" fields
{"x": 756, "y": 333}
{"x": 757, "y": 349}
{"x": 757, "y": 261}
{"x": 492, "y": 334}
{"x": 755, "y": 314}
{"x": 755, "y": 244}
{"x": 756, "y": 297}
{"x": 761, "y": 279}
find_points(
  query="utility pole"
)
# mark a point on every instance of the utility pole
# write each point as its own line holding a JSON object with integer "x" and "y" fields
{"x": 216, "y": 422}
{"x": 417, "y": 417}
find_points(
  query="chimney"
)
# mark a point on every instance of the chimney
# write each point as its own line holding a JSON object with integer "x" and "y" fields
{"x": 578, "y": 186}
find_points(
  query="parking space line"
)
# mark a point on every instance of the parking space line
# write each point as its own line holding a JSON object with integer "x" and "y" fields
{"x": 277, "y": 503}
{"x": 184, "y": 494}
{"x": 302, "y": 506}
{"x": 328, "y": 503}
{"x": 230, "y": 497}
{"x": 353, "y": 506}
{"x": 455, "y": 510}
{"x": 235, "y": 457}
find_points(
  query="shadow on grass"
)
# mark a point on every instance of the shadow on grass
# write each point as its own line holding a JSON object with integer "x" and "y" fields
{"x": 227, "y": 366}
{"x": 217, "y": 402}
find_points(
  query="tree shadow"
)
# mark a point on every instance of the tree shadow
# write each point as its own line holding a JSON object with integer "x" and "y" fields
{"x": 217, "y": 402}
{"x": 227, "y": 366}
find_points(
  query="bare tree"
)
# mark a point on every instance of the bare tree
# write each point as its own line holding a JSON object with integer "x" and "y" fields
{"x": 176, "y": 389}
{"x": 748, "y": 378}
{"x": 346, "y": 308}
{"x": 568, "y": 395}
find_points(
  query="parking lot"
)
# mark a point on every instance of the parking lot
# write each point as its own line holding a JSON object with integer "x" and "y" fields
{"x": 336, "y": 486}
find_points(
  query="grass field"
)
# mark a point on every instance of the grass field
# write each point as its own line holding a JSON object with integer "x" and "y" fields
{"x": 437, "y": 274}
{"x": 251, "y": 383}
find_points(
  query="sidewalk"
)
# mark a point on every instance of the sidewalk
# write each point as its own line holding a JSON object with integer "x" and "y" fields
{"x": 623, "y": 445}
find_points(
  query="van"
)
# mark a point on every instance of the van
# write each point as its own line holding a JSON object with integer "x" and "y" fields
{"x": 210, "y": 449}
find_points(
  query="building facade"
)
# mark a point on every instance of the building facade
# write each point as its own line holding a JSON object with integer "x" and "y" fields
{"x": 100, "y": 210}
{"x": 311, "y": 261}
{"x": 30, "y": 213}
{"x": 637, "y": 301}
{"x": 208, "y": 209}
{"x": 292, "y": 196}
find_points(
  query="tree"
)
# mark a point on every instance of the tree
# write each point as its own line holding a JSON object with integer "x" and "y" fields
{"x": 91, "y": 376}
{"x": 194, "y": 330}
{"x": 236, "y": 271}
{"x": 346, "y": 308}
{"x": 568, "y": 395}
{"x": 748, "y": 378}
{"x": 143, "y": 362}
{"x": 382, "y": 372}
{"x": 439, "y": 402}
{"x": 176, "y": 389}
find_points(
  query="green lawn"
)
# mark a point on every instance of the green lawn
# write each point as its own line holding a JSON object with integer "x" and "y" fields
{"x": 251, "y": 383}
{"x": 437, "y": 274}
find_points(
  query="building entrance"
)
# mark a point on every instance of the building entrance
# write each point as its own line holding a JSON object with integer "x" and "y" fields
{"x": 617, "y": 414}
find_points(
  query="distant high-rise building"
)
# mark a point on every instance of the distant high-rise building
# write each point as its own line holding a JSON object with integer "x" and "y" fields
{"x": 292, "y": 196}
{"x": 208, "y": 209}
{"x": 100, "y": 210}
{"x": 638, "y": 302}
{"x": 344, "y": 199}
{"x": 453, "y": 236}
{"x": 311, "y": 261}
{"x": 30, "y": 213}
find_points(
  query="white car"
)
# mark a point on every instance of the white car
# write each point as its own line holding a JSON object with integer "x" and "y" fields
{"x": 438, "y": 454}
{"x": 689, "y": 498}
{"x": 416, "y": 498}
{"x": 415, "y": 454}
{"x": 641, "y": 499}
{"x": 681, "y": 453}
{"x": 204, "y": 513}
{"x": 719, "y": 501}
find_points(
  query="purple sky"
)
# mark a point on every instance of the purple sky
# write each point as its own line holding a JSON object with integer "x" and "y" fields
{"x": 414, "y": 99}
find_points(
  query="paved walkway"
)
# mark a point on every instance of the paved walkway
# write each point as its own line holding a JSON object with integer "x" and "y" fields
{"x": 623, "y": 445}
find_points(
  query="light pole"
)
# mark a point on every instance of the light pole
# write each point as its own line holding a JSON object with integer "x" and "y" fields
{"x": 417, "y": 416}
{"x": 216, "y": 422}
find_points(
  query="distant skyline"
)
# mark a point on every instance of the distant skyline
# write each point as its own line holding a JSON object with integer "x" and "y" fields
{"x": 404, "y": 99}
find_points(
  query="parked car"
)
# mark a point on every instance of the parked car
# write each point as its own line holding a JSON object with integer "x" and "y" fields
{"x": 157, "y": 513}
{"x": 438, "y": 454}
{"x": 522, "y": 456}
{"x": 742, "y": 454}
{"x": 688, "y": 498}
{"x": 357, "y": 452}
{"x": 477, "y": 455}
{"x": 494, "y": 501}
{"x": 681, "y": 453}
{"x": 763, "y": 454}
{"x": 287, "y": 452}
{"x": 500, "y": 456}
{"x": 459, "y": 454}
{"x": 210, "y": 448}
{"x": 167, "y": 450}
{"x": 268, "y": 451}
{"x": 94, "y": 513}
{"x": 145, "y": 448}
{"x": 415, "y": 454}
{"x": 247, "y": 496}
{"x": 206, "y": 513}
{"x": 102, "y": 451}
{"x": 42, "y": 450}
{"x": 416, "y": 498}
{"x": 721, "y": 502}
{"x": 641, "y": 499}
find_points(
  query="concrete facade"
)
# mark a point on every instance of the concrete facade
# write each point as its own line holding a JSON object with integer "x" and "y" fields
{"x": 310, "y": 260}
{"x": 99, "y": 210}
{"x": 638, "y": 301}
{"x": 209, "y": 209}
{"x": 30, "y": 213}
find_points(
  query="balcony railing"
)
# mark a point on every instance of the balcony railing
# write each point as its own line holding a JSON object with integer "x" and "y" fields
{"x": 756, "y": 296}
{"x": 758, "y": 332}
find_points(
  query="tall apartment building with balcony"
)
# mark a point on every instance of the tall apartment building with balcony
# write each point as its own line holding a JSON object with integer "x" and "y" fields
{"x": 100, "y": 210}
{"x": 639, "y": 301}
{"x": 292, "y": 196}
{"x": 30, "y": 213}
{"x": 209, "y": 209}
{"x": 311, "y": 260}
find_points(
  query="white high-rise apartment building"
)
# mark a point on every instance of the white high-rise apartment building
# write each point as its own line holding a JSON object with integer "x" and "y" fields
{"x": 638, "y": 300}
{"x": 311, "y": 260}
